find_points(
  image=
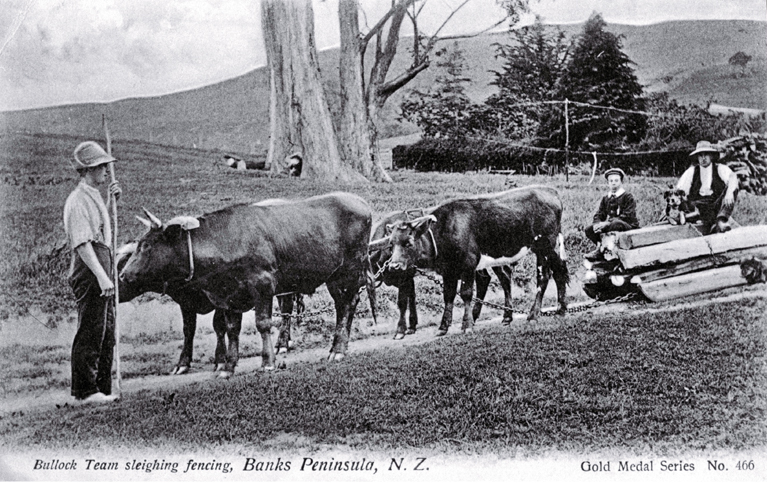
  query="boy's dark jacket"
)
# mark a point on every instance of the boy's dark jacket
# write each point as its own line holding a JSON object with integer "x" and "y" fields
{"x": 622, "y": 207}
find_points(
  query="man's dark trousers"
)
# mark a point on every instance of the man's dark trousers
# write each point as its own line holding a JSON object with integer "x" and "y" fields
{"x": 95, "y": 339}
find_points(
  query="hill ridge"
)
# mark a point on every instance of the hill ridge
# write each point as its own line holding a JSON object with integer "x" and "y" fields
{"x": 228, "y": 116}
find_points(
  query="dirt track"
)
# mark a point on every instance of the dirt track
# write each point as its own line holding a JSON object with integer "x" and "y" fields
{"x": 377, "y": 337}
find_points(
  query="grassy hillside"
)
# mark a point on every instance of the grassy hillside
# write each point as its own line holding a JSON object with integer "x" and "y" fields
{"x": 687, "y": 59}
{"x": 36, "y": 177}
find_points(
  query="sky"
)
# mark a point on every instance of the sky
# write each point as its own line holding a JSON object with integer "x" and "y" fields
{"x": 57, "y": 52}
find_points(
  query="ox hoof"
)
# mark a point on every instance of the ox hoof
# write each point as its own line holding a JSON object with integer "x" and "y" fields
{"x": 224, "y": 375}
{"x": 268, "y": 368}
{"x": 532, "y": 319}
{"x": 441, "y": 332}
{"x": 336, "y": 357}
{"x": 506, "y": 322}
{"x": 410, "y": 332}
{"x": 282, "y": 350}
{"x": 399, "y": 336}
{"x": 179, "y": 370}
{"x": 219, "y": 367}
{"x": 468, "y": 330}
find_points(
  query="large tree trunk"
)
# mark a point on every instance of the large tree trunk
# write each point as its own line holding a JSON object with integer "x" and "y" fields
{"x": 300, "y": 118}
{"x": 356, "y": 134}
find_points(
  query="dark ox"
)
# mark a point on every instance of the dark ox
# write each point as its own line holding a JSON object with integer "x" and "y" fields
{"x": 403, "y": 280}
{"x": 501, "y": 227}
{"x": 191, "y": 301}
{"x": 242, "y": 256}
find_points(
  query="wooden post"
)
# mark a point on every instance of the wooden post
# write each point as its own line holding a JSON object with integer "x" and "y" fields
{"x": 115, "y": 275}
{"x": 567, "y": 141}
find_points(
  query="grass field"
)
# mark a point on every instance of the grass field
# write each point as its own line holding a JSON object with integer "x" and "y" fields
{"x": 650, "y": 383}
{"x": 659, "y": 384}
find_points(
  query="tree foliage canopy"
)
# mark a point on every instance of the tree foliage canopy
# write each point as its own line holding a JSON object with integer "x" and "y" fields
{"x": 443, "y": 109}
{"x": 532, "y": 66}
{"x": 598, "y": 73}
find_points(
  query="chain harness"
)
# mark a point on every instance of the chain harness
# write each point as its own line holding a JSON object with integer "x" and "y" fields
{"x": 570, "y": 310}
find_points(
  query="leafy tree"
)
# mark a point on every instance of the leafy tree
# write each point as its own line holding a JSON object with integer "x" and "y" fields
{"x": 599, "y": 73}
{"x": 533, "y": 63}
{"x": 444, "y": 109}
{"x": 740, "y": 59}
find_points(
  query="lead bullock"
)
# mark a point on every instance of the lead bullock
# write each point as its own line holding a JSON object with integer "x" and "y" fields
{"x": 501, "y": 226}
{"x": 404, "y": 280}
{"x": 226, "y": 324}
{"x": 242, "y": 256}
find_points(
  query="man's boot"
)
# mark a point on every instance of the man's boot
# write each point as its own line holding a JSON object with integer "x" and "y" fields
{"x": 721, "y": 226}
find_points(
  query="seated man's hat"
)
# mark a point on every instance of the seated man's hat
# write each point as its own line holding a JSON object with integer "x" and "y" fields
{"x": 704, "y": 147}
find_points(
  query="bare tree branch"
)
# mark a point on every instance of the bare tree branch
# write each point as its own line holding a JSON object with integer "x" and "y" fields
{"x": 449, "y": 17}
{"x": 468, "y": 36}
{"x": 386, "y": 90}
{"x": 378, "y": 27}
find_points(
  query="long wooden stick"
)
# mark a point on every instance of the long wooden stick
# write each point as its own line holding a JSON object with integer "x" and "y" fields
{"x": 114, "y": 264}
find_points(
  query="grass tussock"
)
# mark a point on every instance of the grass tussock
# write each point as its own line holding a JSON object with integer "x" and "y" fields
{"x": 649, "y": 383}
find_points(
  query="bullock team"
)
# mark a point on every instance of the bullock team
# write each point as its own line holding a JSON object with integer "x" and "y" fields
{"x": 242, "y": 257}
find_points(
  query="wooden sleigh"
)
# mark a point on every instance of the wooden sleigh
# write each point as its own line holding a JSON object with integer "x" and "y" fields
{"x": 663, "y": 262}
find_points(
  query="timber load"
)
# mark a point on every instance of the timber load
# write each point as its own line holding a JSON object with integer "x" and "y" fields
{"x": 663, "y": 262}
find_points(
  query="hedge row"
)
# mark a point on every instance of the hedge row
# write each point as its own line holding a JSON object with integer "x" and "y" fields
{"x": 459, "y": 155}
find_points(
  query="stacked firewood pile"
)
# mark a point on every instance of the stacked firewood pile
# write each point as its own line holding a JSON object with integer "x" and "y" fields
{"x": 746, "y": 155}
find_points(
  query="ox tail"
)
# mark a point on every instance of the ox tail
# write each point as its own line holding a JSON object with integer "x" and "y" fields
{"x": 561, "y": 247}
{"x": 560, "y": 269}
{"x": 370, "y": 284}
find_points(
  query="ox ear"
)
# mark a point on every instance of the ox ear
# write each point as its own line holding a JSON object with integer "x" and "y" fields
{"x": 421, "y": 225}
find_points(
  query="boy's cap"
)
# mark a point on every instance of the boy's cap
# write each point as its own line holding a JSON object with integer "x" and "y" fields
{"x": 617, "y": 171}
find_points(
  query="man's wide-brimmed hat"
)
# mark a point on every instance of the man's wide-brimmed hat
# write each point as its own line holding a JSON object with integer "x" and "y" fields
{"x": 617, "y": 171}
{"x": 90, "y": 154}
{"x": 704, "y": 147}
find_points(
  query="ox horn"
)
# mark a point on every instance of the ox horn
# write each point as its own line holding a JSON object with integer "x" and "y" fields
{"x": 379, "y": 244}
{"x": 144, "y": 221}
{"x": 156, "y": 223}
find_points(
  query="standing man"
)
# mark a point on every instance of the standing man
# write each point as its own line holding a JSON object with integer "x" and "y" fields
{"x": 89, "y": 232}
{"x": 711, "y": 187}
{"x": 617, "y": 212}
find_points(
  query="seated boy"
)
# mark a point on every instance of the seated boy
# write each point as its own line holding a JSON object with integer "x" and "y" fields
{"x": 616, "y": 212}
